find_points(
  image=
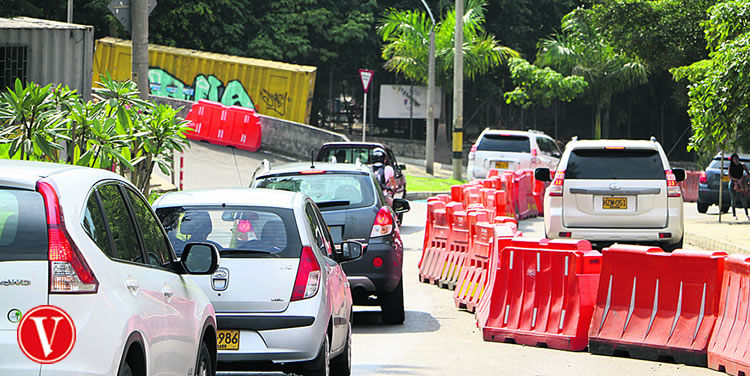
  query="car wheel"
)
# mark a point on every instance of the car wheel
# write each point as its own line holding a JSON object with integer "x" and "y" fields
{"x": 321, "y": 365}
{"x": 702, "y": 207}
{"x": 672, "y": 247}
{"x": 342, "y": 364}
{"x": 392, "y": 305}
{"x": 125, "y": 370}
{"x": 203, "y": 367}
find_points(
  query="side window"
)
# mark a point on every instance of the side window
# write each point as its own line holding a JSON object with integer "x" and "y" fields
{"x": 327, "y": 239}
{"x": 94, "y": 225}
{"x": 124, "y": 237}
{"x": 156, "y": 244}
{"x": 544, "y": 145}
{"x": 317, "y": 230}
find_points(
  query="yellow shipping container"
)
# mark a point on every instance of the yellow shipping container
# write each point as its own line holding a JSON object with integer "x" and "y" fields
{"x": 271, "y": 88}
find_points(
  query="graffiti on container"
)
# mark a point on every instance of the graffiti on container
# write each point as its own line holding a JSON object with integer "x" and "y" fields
{"x": 275, "y": 102}
{"x": 204, "y": 87}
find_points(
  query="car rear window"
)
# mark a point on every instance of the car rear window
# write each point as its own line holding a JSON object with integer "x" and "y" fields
{"x": 716, "y": 163}
{"x": 345, "y": 154}
{"x": 23, "y": 226}
{"x": 236, "y": 231}
{"x": 507, "y": 143}
{"x": 615, "y": 164}
{"x": 331, "y": 191}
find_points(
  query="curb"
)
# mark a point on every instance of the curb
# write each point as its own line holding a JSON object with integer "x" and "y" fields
{"x": 412, "y": 196}
{"x": 713, "y": 244}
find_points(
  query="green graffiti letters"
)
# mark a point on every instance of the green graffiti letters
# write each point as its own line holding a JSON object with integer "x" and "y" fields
{"x": 162, "y": 83}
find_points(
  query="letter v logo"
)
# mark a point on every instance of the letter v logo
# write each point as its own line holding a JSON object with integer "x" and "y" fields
{"x": 46, "y": 334}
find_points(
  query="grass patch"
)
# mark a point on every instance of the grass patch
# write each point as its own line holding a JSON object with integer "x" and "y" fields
{"x": 422, "y": 184}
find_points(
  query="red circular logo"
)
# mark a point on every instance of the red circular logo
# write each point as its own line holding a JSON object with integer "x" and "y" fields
{"x": 46, "y": 334}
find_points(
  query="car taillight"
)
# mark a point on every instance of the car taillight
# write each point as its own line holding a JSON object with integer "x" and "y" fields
{"x": 534, "y": 156}
{"x": 383, "y": 223}
{"x": 69, "y": 272}
{"x": 673, "y": 190}
{"x": 703, "y": 179}
{"x": 556, "y": 188}
{"x": 471, "y": 153}
{"x": 308, "y": 276}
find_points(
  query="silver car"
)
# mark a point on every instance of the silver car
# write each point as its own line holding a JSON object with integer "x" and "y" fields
{"x": 282, "y": 300}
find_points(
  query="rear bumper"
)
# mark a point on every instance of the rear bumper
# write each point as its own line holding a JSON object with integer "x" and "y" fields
{"x": 365, "y": 279}
{"x": 12, "y": 360}
{"x": 710, "y": 196}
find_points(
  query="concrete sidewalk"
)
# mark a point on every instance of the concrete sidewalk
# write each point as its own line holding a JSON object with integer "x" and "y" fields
{"x": 704, "y": 230}
{"x": 415, "y": 167}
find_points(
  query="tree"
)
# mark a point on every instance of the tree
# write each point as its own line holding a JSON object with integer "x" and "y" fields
{"x": 580, "y": 50}
{"x": 719, "y": 87}
{"x": 541, "y": 85}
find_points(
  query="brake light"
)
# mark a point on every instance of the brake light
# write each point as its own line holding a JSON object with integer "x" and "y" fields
{"x": 308, "y": 276}
{"x": 307, "y": 172}
{"x": 673, "y": 190}
{"x": 534, "y": 156}
{"x": 69, "y": 272}
{"x": 473, "y": 148}
{"x": 556, "y": 188}
{"x": 472, "y": 155}
{"x": 614, "y": 148}
{"x": 383, "y": 223}
{"x": 703, "y": 179}
{"x": 534, "y": 153}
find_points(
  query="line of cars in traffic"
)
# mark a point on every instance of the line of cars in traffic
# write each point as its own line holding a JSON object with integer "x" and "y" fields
{"x": 231, "y": 279}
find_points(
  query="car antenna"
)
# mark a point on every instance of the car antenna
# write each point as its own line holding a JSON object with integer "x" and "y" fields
{"x": 312, "y": 158}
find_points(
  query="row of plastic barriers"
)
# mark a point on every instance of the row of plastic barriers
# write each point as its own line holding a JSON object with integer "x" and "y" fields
{"x": 224, "y": 125}
{"x": 689, "y": 186}
{"x": 688, "y": 306}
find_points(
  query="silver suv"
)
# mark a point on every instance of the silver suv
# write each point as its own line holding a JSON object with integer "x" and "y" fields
{"x": 511, "y": 150}
{"x": 614, "y": 191}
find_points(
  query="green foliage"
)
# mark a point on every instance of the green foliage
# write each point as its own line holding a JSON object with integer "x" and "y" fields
{"x": 541, "y": 85}
{"x": 719, "y": 85}
{"x": 406, "y": 34}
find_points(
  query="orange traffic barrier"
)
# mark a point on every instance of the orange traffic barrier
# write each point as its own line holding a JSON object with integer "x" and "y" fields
{"x": 458, "y": 245}
{"x": 433, "y": 203}
{"x": 653, "y": 305}
{"x": 438, "y": 241}
{"x": 504, "y": 232}
{"x": 689, "y": 186}
{"x": 246, "y": 132}
{"x": 523, "y": 195}
{"x": 727, "y": 349}
{"x": 440, "y": 253}
{"x": 457, "y": 193}
{"x": 543, "y": 293}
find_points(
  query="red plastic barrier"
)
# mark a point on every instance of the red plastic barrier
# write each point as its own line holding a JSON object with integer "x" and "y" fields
{"x": 543, "y": 293}
{"x": 689, "y": 186}
{"x": 652, "y": 304}
{"x": 523, "y": 199}
{"x": 504, "y": 232}
{"x": 489, "y": 202}
{"x": 203, "y": 116}
{"x": 246, "y": 131}
{"x": 433, "y": 204}
{"x": 727, "y": 349}
{"x": 538, "y": 194}
{"x": 458, "y": 246}
{"x": 440, "y": 254}
{"x": 457, "y": 193}
{"x": 438, "y": 242}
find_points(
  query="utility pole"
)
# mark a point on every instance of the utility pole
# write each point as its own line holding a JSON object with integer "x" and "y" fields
{"x": 458, "y": 92}
{"x": 70, "y": 11}
{"x": 139, "y": 35}
{"x": 430, "y": 117}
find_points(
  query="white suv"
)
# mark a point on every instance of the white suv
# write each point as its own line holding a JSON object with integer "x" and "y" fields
{"x": 511, "y": 150}
{"x": 614, "y": 191}
{"x": 86, "y": 242}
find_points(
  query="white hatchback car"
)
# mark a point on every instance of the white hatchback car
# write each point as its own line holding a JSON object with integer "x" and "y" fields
{"x": 511, "y": 150}
{"x": 87, "y": 242}
{"x": 614, "y": 191}
{"x": 282, "y": 300}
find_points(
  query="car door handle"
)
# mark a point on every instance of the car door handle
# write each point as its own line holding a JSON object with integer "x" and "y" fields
{"x": 132, "y": 285}
{"x": 168, "y": 292}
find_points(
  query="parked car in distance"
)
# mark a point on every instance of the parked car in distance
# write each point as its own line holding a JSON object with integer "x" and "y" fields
{"x": 86, "y": 241}
{"x": 511, "y": 150}
{"x": 610, "y": 191}
{"x": 282, "y": 300}
{"x": 353, "y": 207}
{"x": 349, "y": 152}
{"x": 708, "y": 185}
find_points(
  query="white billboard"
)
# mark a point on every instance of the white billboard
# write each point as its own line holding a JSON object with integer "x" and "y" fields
{"x": 396, "y": 102}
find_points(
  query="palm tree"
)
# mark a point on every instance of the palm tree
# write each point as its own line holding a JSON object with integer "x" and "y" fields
{"x": 406, "y": 34}
{"x": 581, "y": 51}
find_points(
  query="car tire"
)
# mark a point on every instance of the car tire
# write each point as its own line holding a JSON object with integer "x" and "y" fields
{"x": 392, "y": 305}
{"x": 342, "y": 364}
{"x": 702, "y": 207}
{"x": 203, "y": 365}
{"x": 672, "y": 247}
{"x": 321, "y": 365}
{"x": 125, "y": 370}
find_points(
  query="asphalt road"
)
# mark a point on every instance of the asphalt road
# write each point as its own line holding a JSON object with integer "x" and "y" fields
{"x": 437, "y": 338}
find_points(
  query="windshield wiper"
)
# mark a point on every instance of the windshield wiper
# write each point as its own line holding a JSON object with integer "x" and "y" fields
{"x": 327, "y": 204}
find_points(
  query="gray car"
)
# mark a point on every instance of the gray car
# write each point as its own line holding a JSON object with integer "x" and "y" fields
{"x": 282, "y": 300}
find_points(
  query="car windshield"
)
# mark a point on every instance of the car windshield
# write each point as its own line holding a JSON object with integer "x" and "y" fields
{"x": 23, "y": 226}
{"x": 262, "y": 231}
{"x": 641, "y": 164}
{"x": 331, "y": 191}
{"x": 345, "y": 154}
{"x": 507, "y": 143}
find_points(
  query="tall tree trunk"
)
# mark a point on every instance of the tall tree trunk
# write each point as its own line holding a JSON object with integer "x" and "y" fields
{"x": 598, "y": 122}
{"x": 605, "y": 121}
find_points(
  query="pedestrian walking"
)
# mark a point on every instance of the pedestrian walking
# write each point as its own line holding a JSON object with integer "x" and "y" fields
{"x": 737, "y": 186}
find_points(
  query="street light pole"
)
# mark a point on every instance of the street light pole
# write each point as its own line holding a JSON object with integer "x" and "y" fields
{"x": 458, "y": 92}
{"x": 70, "y": 11}
{"x": 139, "y": 35}
{"x": 430, "y": 116}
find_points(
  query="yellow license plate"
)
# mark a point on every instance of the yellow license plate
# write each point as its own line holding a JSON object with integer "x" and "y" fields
{"x": 614, "y": 202}
{"x": 725, "y": 179}
{"x": 228, "y": 340}
{"x": 501, "y": 164}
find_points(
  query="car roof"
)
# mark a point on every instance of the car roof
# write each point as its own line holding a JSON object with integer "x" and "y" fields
{"x": 229, "y": 197}
{"x": 355, "y": 144}
{"x": 640, "y": 144}
{"x": 25, "y": 174}
{"x": 294, "y": 167}
{"x": 514, "y": 132}
{"x": 727, "y": 155}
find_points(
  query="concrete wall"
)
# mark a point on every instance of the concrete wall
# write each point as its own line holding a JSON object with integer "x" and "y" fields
{"x": 294, "y": 139}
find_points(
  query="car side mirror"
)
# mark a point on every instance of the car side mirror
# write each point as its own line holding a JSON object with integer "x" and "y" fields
{"x": 556, "y": 154}
{"x": 679, "y": 174}
{"x": 402, "y": 166}
{"x": 349, "y": 251}
{"x": 200, "y": 258}
{"x": 400, "y": 205}
{"x": 542, "y": 174}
